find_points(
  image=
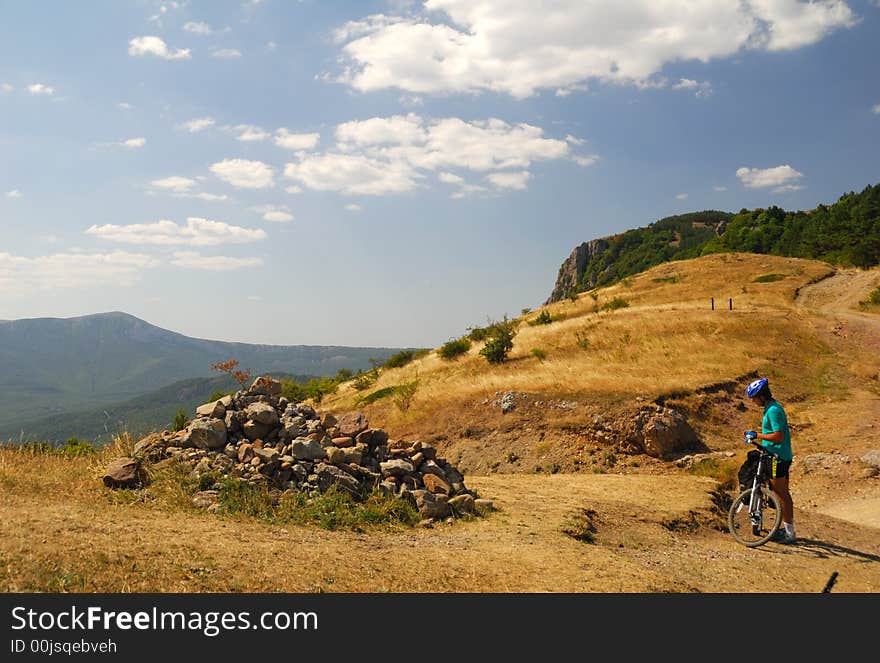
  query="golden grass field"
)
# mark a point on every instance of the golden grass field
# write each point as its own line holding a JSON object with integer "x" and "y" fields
{"x": 657, "y": 526}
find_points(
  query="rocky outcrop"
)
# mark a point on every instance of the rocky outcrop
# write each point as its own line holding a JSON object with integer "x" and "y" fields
{"x": 124, "y": 473}
{"x": 573, "y": 268}
{"x": 259, "y": 437}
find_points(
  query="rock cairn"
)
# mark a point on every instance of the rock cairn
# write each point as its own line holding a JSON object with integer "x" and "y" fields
{"x": 259, "y": 436}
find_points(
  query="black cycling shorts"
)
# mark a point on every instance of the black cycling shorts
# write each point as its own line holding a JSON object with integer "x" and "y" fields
{"x": 779, "y": 468}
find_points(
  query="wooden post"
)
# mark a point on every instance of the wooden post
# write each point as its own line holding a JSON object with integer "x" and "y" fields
{"x": 731, "y": 303}
{"x": 713, "y": 303}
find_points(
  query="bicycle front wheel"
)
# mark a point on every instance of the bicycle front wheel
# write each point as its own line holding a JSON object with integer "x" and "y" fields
{"x": 755, "y": 528}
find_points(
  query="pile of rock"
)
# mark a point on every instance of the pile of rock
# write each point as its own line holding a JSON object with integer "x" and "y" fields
{"x": 259, "y": 436}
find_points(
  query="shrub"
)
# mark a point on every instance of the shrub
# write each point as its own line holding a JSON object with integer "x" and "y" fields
{"x": 768, "y": 278}
{"x": 292, "y": 390}
{"x": 539, "y": 354}
{"x": 404, "y": 393}
{"x": 454, "y": 348}
{"x": 872, "y": 300}
{"x": 375, "y": 396}
{"x": 478, "y": 334}
{"x": 217, "y": 395}
{"x": 75, "y": 447}
{"x": 572, "y": 294}
{"x": 400, "y": 359}
{"x": 500, "y": 341}
{"x": 365, "y": 380}
{"x": 614, "y": 304}
{"x": 231, "y": 368}
{"x": 543, "y": 318}
{"x": 180, "y": 420}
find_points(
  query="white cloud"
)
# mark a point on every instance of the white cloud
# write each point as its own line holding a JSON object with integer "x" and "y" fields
{"x": 384, "y": 155}
{"x": 152, "y": 45}
{"x": 197, "y": 28}
{"x": 291, "y": 141}
{"x": 134, "y": 143}
{"x": 762, "y": 178}
{"x": 175, "y": 183}
{"x": 38, "y": 89}
{"x": 586, "y": 161}
{"x": 787, "y": 188}
{"x": 681, "y": 196}
{"x": 514, "y": 180}
{"x": 276, "y": 214}
{"x": 876, "y": 109}
{"x": 719, "y": 189}
{"x": 519, "y": 47}
{"x": 244, "y": 174}
{"x": 19, "y": 274}
{"x": 197, "y": 124}
{"x": 248, "y": 133}
{"x": 123, "y": 106}
{"x": 293, "y": 188}
{"x": 6, "y": 88}
{"x": 211, "y": 197}
{"x": 700, "y": 88}
{"x": 227, "y": 53}
{"x": 353, "y": 207}
{"x": 196, "y": 232}
{"x": 194, "y": 260}
{"x": 13, "y": 194}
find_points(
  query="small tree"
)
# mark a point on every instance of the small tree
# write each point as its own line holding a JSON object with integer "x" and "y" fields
{"x": 404, "y": 393}
{"x": 500, "y": 341}
{"x": 179, "y": 420}
{"x": 231, "y": 368}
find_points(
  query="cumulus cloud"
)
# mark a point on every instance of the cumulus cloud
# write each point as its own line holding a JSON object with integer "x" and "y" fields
{"x": 700, "y": 88}
{"x": 384, "y": 155}
{"x": 227, "y": 53}
{"x": 194, "y": 260}
{"x": 244, "y": 174}
{"x": 122, "y": 105}
{"x": 20, "y": 274}
{"x": 292, "y": 141}
{"x": 681, "y": 196}
{"x": 876, "y": 109}
{"x": 196, "y": 232}
{"x": 134, "y": 143}
{"x": 13, "y": 194}
{"x": 155, "y": 46}
{"x": 248, "y": 133}
{"x": 519, "y": 47}
{"x": 197, "y": 124}
{"x": 276, "y": 214}
{"x": 174, "y": 183}
{"x": 38, "y": 89}
{"x": 719, "y": 189}
{"x": 6, "y": 88}
{"x": 353, "y": 207}
{"x": 763, "y": 178}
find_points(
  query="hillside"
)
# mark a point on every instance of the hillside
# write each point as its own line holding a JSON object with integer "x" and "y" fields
{"x": 154, "y": 410}
{"x": 51, "y": 366}
{"x": 578, "y": 511}
{"x": 846, "y": 233}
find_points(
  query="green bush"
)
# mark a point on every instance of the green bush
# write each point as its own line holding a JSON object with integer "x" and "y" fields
{"x": 217, "y": 395}
{"x": 500, "y": 341}
{"x": 454, "y": 348}
{"x": 75, "y": 447}
{"x": 404, "y": 393}
{"x": 539, "y": 354}
{"x": 180, "y": 420}
{"x": 478, "y": 334}
{"x": 365, "y": 380}
{"x": 375, "y": 396}
{"x": 768, "y": 278}
{"x": 399, "y": 360}
{"x": 543, "y": 318}
{"x": 615, "y": 304}
{"x": 872, "y": 300}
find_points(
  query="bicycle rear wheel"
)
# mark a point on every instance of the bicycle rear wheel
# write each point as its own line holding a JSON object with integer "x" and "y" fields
{"x": 755, "y": 529}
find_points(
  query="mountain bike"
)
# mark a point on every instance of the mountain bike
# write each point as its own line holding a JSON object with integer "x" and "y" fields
{"x": 756, "y": 515}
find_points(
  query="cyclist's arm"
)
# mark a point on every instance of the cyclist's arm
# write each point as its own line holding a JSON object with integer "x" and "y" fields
{"x": 776, "y": 436}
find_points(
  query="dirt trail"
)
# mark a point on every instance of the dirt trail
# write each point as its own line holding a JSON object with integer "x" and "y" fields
{"x": 849, "y": 423}
{"x": 653, "y": 534}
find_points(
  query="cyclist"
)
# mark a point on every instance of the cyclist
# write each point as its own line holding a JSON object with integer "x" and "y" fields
{"x": 775, "y": 437}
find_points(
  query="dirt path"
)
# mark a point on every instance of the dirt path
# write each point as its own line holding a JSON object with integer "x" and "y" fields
{"x": 653, "y": 534}
{"x": 853, "y": 411}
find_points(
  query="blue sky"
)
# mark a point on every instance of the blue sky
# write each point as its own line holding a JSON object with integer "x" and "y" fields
{"x": 390, "y": 172}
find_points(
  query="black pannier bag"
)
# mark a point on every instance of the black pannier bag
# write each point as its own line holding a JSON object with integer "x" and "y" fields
{"x": 748, "y": 469}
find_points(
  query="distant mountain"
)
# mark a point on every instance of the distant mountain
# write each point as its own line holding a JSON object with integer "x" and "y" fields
{"x": 58, "y": 365}
{"x": 140, "y": 415}
{"x": 846, "y": 232}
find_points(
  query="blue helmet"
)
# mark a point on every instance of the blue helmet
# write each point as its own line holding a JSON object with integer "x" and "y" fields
{"x": 755, "y": 387}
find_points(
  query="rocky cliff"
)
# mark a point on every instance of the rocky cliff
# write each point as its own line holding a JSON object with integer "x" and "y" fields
{"x": 571, "y": 270}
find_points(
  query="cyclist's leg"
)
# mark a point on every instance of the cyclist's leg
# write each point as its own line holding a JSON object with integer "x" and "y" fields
{"x": 779, "y": 485}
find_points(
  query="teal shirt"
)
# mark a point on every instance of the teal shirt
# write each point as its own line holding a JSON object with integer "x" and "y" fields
{"x": 775, "y": 420}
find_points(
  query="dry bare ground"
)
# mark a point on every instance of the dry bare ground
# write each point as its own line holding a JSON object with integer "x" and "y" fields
{"x": 644, "y": 525}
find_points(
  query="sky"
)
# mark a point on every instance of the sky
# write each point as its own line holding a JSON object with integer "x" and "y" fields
{"x": 392, "y": 173}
